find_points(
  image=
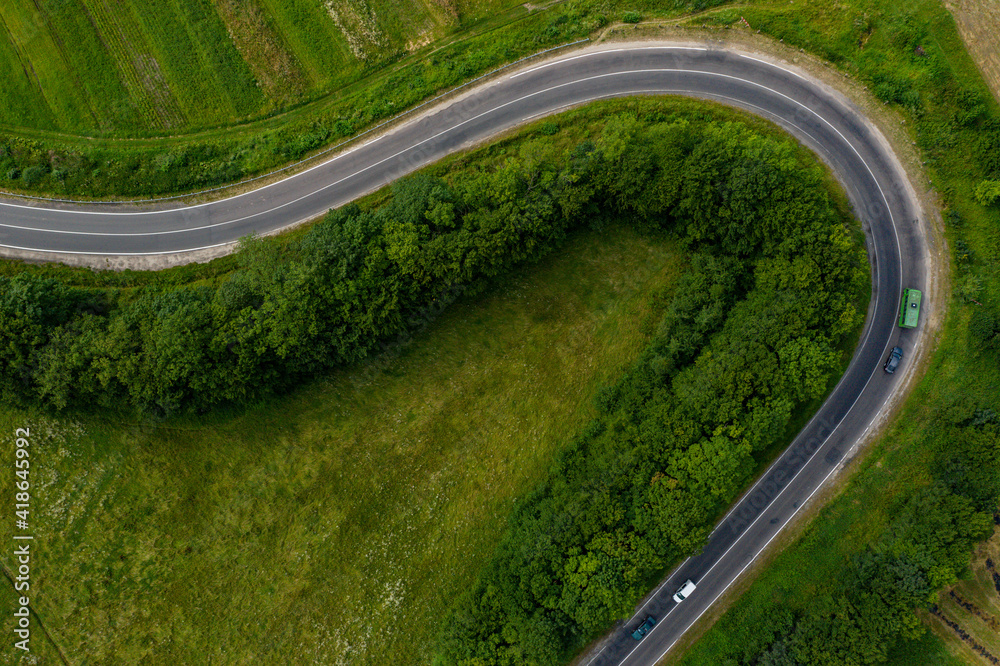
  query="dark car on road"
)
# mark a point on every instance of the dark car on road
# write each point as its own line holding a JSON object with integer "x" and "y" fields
{"x": 644, "y": 628}
{"x": 894, "y": 356}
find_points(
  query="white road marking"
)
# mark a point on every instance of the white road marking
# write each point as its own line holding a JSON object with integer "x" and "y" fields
{"x": 765, "y": 62}
{"x": 120, "y": 254}
{"x": 604, "y": 51}
{"x": 371, "y": 166}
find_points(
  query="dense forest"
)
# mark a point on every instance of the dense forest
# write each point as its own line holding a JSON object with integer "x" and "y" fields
{"x": 749, "y": 336}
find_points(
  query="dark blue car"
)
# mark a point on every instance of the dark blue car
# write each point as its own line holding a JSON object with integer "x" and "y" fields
{"x": 644, "y": 628}
{"x": 893, "y": 362}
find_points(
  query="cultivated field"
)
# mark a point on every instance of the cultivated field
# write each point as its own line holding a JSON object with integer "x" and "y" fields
{"x": 968, "y": 616}
{"x": 977, "y": 22}
{"x": 97, "y": 67}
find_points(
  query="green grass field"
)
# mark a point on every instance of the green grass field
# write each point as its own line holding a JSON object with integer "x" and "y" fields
{"x": 338, "y": 523}
{"x": 100, "y": 68}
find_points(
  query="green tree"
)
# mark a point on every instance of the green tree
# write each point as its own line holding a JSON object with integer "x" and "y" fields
{"x": 30, "y": 309}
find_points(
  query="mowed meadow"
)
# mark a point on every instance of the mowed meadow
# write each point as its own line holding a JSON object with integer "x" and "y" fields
{"x": 133, "y": 67}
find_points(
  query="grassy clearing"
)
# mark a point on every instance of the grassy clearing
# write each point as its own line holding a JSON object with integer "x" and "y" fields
{"x": 337, "y": 524}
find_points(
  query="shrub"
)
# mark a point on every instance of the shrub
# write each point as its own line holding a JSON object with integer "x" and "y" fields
{"x": 988, "y": 192}
{"x": 33, "y": 175}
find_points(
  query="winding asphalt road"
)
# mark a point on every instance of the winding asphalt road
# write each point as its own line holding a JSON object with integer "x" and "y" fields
{"x": 814, "y": 114}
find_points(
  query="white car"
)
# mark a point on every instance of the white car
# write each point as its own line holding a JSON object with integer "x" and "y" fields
{"x": 685, "y": 591}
